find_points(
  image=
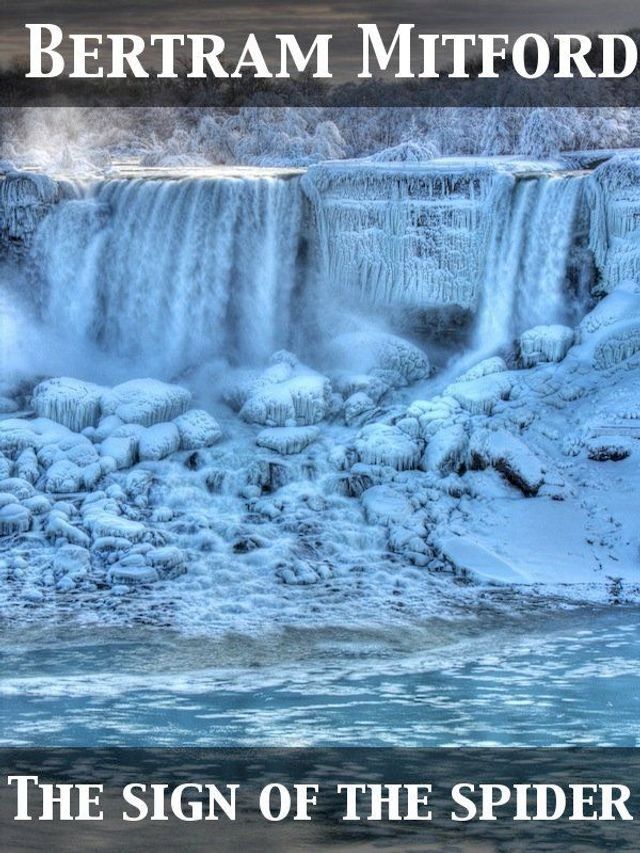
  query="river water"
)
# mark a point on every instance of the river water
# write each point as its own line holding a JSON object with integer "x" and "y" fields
{"x": 568, "y": 678}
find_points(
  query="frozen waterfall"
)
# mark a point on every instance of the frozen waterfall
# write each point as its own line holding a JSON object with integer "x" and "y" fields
{"x": 171, "y": 272}
{"x": 533, "y": 243}
{"x": 168, "y": 273}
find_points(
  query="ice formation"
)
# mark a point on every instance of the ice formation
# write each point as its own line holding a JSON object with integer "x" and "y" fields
{"x": 545, "y": 343}
{"x": 415, "y": 236}
{"x": 285, "y": 394}
{"x": 70, "y": 402}
{"x": 25, "y": 200}
{"x": 614, "y": 194}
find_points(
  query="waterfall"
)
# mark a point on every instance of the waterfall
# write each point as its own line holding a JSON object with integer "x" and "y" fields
{"x": 168, "y": 273}
{"x": 528, "y": 258}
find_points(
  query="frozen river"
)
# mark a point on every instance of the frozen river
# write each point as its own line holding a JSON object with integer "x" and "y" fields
{"x": 564, "y": 679}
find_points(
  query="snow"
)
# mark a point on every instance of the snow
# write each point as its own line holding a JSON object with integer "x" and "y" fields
{"x": 473, "y": 559}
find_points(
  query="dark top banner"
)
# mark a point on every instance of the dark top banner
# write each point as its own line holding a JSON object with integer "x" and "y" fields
{"x": 299, "y": 53}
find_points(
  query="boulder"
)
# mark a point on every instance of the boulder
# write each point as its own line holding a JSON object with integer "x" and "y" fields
{"x": 287, "y": 440}
{"x": 67, "y": 401}
{"x": 446, "y": 450}
{"x": 391, "y": 358}
{"x": 14, "y": 519}
{"x": 382, "y": 444}
{"x": 545, "y": 344}
{"x": 510, "y": 456}
{"x": 197, "y": 429}
{"x": 158, "y": 441}
{"x": 145, "y": 401}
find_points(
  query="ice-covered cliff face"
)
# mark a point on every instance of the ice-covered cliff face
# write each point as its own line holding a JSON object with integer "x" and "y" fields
{"x": 500, "y": 240}
{"x": 614, "y": 194}
{"x": 170, "y": 272}
{"x": 404, "y": 234}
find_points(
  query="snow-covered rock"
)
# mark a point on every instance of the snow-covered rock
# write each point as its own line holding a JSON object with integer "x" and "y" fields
{"x": 384, "y": 505}
{"x": 446, "y": 451}
{"x": 348, "y": 383}
{"x": 67, "y": 401}
{"x": 71, "y": 448}
{"x": 16, "y": 436}
{"x": 122, "y": 449}
{"x": 545, "y": 344}
{"x": 287, "y": 440}
{"x": 157, "y": 441}
{"x": 14, "y": 518}
{"x": 108, "y": 524}
{"x": 622, "y": 304}
{"x": 197, "y": 429}
{"x": 71, "y": 561}
{"x": 27, "y": 466}
{"x": 480, "y": 396}
{"x": 286, "y": 394}
{"x": 17, "y": 487}
{"x": 392, "y": 359}
{"x": 63, "y": 476}
{"x": 616, "y": 343}
{"x": 358, "y": 407}
{"x": 486, "y": 367}
{"x": 608, "y": 448}
{"x": 132, "y": 570}
{"x": 382, "y": 444}
{"x": 508, "y": 455}
{"x": 145, "y": 401}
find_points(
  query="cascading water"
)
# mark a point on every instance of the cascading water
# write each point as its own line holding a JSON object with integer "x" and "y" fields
{"x": 170, "y": 272}
{"x": 167, "y": 274}
{"x": 528, "y": 257}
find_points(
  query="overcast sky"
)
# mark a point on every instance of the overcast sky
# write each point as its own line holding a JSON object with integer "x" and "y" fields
{"x": 232, "y": 18}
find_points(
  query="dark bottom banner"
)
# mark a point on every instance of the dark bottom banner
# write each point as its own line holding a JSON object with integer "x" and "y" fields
{"x": 310, "y": 799}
